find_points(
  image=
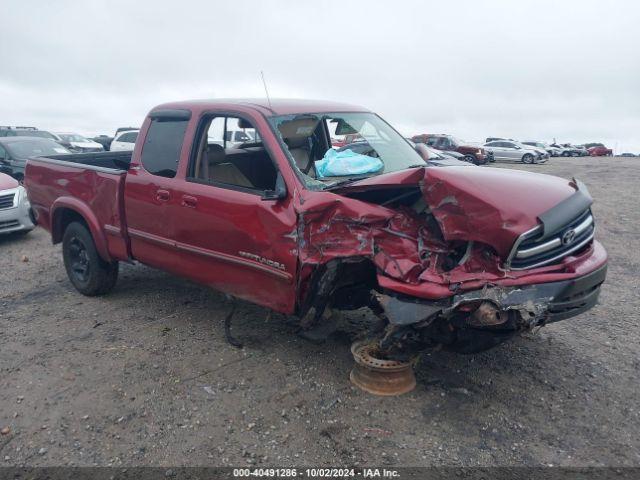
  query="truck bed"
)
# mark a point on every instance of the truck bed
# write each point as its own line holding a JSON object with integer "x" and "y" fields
{"x": 107, "y": 160}
{"x": 89, "y": 183}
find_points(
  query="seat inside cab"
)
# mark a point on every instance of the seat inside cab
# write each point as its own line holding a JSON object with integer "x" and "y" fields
{"x": 231, "y": 153}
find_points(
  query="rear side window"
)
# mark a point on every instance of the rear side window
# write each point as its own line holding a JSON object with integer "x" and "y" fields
{"x": 161, "y": 150}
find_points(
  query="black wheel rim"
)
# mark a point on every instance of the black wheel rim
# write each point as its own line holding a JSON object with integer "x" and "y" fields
{"x": 79, "y": 259}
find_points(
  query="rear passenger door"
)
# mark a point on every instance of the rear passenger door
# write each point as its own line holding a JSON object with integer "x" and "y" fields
{"x": 151, "y": 185}
{"x": 230, "y": 234}
{"x": 497, "y": 149}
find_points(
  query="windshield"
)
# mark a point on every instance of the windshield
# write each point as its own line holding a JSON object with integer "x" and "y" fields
{"x": 331, "y": 148}
{"x": 72, "y": 137}
{"x": 35, "y": 148}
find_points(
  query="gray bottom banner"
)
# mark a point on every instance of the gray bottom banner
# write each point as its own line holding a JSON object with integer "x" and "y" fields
{"x": 211, "y": 473}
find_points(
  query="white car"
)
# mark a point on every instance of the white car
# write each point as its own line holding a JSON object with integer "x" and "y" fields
{"x": 77, "y": 143}
{"x": 15, "y": 210}
{"x": 124, "y": 141}
{"x": 553, "y": 151}
{"x": 515, "y": 151}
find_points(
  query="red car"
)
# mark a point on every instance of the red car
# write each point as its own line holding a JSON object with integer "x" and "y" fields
{"x": 458, "y": 256}
{"x": 449, "y": 143}
{"x": 599, "y": 150}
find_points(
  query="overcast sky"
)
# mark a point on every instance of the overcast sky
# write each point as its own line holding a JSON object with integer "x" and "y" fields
{"x": 520, "y": 69}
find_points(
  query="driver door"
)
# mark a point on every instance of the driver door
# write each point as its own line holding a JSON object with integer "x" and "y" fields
{"x": 232, "y": 233}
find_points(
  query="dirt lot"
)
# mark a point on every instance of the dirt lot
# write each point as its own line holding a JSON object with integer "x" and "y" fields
{"x": 144, "y": 376}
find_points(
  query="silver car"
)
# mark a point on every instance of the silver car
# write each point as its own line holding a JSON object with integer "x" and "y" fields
{"x": 511, "y": 151}
{"x": 553, "y": 151}
{"x": 15, "y": 209}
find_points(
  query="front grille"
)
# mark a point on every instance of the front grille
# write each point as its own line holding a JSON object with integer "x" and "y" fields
{"x": 9, "y": 224}
{"x": 6, "y": 201}
{"x": 532, "y": 251}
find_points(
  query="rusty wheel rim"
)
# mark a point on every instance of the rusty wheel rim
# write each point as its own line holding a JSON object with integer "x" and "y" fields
{"x": 380, "y": 376}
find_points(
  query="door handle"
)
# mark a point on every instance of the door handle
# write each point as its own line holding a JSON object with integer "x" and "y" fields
{"x": 163, "y": 195}
{"x": 189, "y": 201}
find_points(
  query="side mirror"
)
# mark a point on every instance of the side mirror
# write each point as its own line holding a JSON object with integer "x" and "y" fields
{"x": 279, "y": 193}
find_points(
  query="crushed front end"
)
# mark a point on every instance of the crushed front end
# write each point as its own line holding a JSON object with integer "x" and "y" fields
{"x": 460, "y": 257}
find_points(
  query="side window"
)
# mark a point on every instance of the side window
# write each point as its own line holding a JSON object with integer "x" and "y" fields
{"x": 161, "y": 150}
{"x": 432, "y": 141}
{"x": 232, "y": 132}
{"x": 230, "y": 154}
{"x": 3, "y": 152}
{"x": 129, "y": 137}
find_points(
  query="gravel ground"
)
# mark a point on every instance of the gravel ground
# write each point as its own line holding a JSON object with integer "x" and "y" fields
{"x": 144, "y": 376}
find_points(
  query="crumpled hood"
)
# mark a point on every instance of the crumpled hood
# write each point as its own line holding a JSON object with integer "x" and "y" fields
{"x": 7, "y": 182}
{"x": 484, "y": 204}
{"x": 490, "y": 205}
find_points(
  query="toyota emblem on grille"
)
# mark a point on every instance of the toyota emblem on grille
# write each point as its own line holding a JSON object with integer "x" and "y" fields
{"x": 568, "y": 237}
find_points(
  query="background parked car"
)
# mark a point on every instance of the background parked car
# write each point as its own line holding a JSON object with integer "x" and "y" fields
{"x": 627, "y": 154}
{"x": 437, "y": 157}
{"x": 104, "y": 140}
{"x": 345, "y": 140}
{"x": 14, "y": 152}
{"x": 599, "y": 150}
{"x": 124, "y": 141}
{"x": 447, "y": 143}
{"x": 24, "y": 132}
{"x": 77, "y": 143}
{"x": 566, "y": 150}
{"x": 15, "y": 210}
{"x": 575, "y": 150}
{"x": 493, "y": 139}
{"x": 505, "y": 150}
{"x": 552, "y": 151}
{"x": 582, "y": 150}
{"x": 125, "y": 129}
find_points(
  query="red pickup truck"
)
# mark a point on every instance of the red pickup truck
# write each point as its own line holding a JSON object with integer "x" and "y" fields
{"x": 459, "y": 256}
{"x": 599, "y": 150}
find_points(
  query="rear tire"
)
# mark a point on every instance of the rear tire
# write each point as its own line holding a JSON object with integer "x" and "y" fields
{"x": 87, "y": 271}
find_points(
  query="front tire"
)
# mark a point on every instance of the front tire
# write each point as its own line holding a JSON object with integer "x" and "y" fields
{"x": 88, "y": 273}
{"x": 527, "y": 158}
{"x": 469, "y": 159}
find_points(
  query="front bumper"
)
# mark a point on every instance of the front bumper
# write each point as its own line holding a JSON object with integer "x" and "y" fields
{"x": 18, "y": 217}
{"x": 537, "y": 303}
{"x": 545, "y": 302}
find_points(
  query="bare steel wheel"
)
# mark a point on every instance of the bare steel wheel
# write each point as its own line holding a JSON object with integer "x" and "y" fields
{"x": 89, "y": 274}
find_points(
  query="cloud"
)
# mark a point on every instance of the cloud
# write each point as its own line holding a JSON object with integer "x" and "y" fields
{"x": 535, "y": 69}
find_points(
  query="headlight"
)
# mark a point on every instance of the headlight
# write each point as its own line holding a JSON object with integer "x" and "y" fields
{"x": 479, "y": 152}
{"x": 23, "y": 198}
